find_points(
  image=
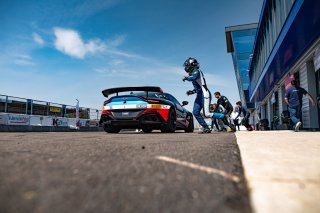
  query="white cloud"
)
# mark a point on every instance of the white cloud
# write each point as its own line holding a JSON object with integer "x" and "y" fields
{"x": 117, "y": 73}
{"x": 37, "y": 38}
{"x": 90, "y": 7}
{"x": 116, "y": 62}
{"x": 23, "y": 60}
{"x": 116, "y": 41}
{"x": 126, "y": 54}
{"x": 70, "y": 42}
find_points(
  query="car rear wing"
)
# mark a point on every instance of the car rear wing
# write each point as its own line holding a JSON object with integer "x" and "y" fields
{"x": 147, "y": 89}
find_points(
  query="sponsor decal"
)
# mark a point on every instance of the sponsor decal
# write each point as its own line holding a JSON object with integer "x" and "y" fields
{"x": 55, "y": 109}
{"x": 84, "y": 123}
{"x": 3, "y": 119}
{"x": 59, "y": 122}
{"x": 18, "y": 120}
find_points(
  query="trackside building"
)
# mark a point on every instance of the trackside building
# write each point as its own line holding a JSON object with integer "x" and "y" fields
{"x": 286, "y": 47}
{"x": 240, "y": 40}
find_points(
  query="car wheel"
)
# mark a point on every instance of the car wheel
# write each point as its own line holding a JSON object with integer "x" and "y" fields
{"x": 111, "y": 129}
{"x": 146, "y": 130}
{"x": 171, "y": 124}
{"x": 190, "y": 127}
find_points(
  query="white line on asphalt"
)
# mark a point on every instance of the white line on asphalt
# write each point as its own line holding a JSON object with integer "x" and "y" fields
{"x": 206, "y": 169}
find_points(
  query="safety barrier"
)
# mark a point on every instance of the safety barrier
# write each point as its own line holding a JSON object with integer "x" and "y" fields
{"x": 20, "y": 122}
{"x": 21, "y": 114}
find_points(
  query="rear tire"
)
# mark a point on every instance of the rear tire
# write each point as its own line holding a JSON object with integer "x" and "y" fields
{"x": 191, "y": 125}
{"x": 146, "y": 130}
{"x": 171, "y": 124}
{"x": 111, "y": 129}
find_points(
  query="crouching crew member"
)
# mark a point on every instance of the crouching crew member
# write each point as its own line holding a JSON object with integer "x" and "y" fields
{"x": 246, "y": 114}
{"x": 228, "y": 108}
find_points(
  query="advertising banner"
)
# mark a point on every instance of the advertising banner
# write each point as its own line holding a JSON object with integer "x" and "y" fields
{"x": 59, "y": 121}
{"x": 16, "y": 119}
{"x": 55, "y": 109}
{"x": 77, "y": 109}
{"x": 36, "y": 120}
{"x": 3, "y": 119}
{"x": 72, "y": 122}
{"x": 273, "y": 98}
{"x": 316, "y": 59}
{"x": 84, "y": 123}
{"x": 47, "y": 121}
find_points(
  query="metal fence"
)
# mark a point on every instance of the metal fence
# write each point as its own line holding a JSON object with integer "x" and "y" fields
{"x": 10, "y": 104}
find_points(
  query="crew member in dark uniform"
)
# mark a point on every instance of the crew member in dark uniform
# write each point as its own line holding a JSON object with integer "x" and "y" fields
{"x": 228, "y": 108}
{"x": 223, "y": 101}
{"x": 246, "y": 114}
{"x": 293, "y": 98}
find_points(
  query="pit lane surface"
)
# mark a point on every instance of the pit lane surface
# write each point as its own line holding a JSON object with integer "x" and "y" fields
{"x": 126, "y": 172}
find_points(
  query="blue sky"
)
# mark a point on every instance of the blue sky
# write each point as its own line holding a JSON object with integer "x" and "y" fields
{"x": 59, "y": 51}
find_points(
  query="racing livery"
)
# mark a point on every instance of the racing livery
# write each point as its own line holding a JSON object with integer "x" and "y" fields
{"x": 147, "y": 108}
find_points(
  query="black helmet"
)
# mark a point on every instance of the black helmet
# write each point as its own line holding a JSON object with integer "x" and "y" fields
{"x": 190, "y": 63}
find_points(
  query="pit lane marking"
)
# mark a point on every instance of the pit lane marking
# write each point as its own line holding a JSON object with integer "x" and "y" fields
{"x": 206, "y": 169}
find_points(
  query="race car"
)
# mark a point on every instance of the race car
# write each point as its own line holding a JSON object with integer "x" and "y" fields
{"x": 145, "y": 107}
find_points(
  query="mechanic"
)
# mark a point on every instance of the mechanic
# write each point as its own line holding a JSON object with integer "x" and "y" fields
{"x": 293, "y": 98}
{"x": 246, "y": 114}
{"x": 228, "y": 108}
{"x": 236, "y": 121}
{"x": 215, "y": 120}
{"x": 203, "y": 99}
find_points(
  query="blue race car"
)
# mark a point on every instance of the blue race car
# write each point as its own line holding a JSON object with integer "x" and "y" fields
{"x": 147, "y": 108}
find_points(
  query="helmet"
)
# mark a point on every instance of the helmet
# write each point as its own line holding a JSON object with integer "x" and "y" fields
{"x": 190, "y": 63}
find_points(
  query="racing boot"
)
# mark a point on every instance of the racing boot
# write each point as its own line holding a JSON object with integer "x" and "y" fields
{"x": 231, "y": 128}
{"x": 205, "y": 131}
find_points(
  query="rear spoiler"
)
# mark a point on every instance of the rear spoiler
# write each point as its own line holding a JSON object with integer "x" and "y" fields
{"x": 147, "y": 89}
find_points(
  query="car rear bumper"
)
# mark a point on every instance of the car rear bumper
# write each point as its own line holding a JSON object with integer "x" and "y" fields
{"x": 132, "y": 123}
{"x": 151, "y": 120}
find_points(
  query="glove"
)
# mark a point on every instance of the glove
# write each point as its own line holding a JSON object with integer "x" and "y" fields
{"x": 190, "y": 92}
{"x": 184, "y": 78}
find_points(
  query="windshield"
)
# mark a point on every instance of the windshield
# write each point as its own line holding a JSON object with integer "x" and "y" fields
{"x": 150, "y": 94}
